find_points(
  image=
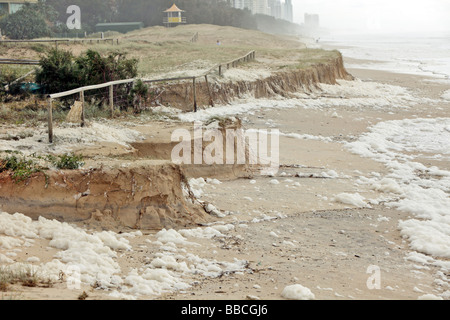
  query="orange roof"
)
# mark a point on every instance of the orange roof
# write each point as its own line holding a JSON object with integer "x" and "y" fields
{"x": 174, "y": 9}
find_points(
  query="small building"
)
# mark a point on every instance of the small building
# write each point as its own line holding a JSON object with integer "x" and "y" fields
{"x": 122, "y": 27}
{"x": 174, "y": 17}
{"x": 11, "y": 6}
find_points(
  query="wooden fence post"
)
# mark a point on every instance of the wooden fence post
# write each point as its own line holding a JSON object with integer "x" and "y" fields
{"x": 220, "y": 70}
{"x": 50, "y": 121}
{"x": 82, "y": 108}
{"x": 111, "y": 100}
{"x": 211, "y": 102}
{"x": 195, "y": 94}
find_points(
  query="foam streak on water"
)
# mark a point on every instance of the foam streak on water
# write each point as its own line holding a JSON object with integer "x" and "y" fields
{"x": 419, "y": 55}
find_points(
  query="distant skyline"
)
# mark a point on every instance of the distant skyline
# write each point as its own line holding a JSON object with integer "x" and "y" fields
{"x": 377, "y": 16}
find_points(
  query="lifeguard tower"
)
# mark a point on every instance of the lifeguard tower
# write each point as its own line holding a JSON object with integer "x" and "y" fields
{"x": 174, "y": 17}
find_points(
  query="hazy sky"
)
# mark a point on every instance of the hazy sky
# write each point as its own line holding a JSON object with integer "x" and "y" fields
{"x": 378, "y": 16}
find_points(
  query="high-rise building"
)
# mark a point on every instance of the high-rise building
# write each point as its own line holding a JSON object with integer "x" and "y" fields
{"x": 312, "y": 21}
{"x": 274, "y": 8}
{"x": 288, "y": 11}
{"x": 243, "y": 4}
{"x": 260, "y": 7}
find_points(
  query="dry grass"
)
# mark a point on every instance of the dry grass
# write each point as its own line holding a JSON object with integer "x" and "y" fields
{"x": 25, "y": 276}
{"x": 163, "y": 50}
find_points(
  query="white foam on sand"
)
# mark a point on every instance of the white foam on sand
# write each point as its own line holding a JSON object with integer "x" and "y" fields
{"x": 297, "y": 292}
{"x": 420, "y": 190}
{"x": 93, "y": 255}
{"x": 298, "y": 136}
{"x": 65, "y": 138}
{"x": 446, "y": 95}
{"x": 354, "y": 199}
{"x": 92, "y": 258}
{"x": 236, "y": 74}
{"x": 352, "y": 94}
{"x": 174, "y": 268}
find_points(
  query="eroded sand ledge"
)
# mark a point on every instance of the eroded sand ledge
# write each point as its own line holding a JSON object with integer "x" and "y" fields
{"x": 282, "y": 83}
{"x": 148, "y": 194}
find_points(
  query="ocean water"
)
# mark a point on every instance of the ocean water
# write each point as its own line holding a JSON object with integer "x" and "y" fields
{"x": 427, "y": 55}
{"x": 422, "y": 191}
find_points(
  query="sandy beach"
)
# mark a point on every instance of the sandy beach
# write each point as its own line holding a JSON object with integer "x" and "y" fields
{"x": 320, "y": 243}
{"x": 317, "y": 223}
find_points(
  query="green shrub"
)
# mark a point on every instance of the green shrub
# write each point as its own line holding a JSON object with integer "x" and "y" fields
{"x": 61, "y": 71}
{"x": 58, "y": 72}
{"x": 23, "y": 167}
{"x": 139, "y": 93}
{"x": 68, "y": 161}
{"x": 95, "y": 69}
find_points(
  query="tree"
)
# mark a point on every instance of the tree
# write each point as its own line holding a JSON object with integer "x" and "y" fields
{"x": 61, "y": 71}
{"x": 95, "y": 69}
{"x": 58, "y": 72}
{"x": 27, "y": 23}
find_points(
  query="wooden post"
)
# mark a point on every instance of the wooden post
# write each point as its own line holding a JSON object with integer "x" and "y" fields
{"x": 211, "y": 102}
{"x": 220, "y": 70}
{"x": 50, "y": 121}
{"x": 111, "y": 100}
{"x": 195, "y": 95}
{"x": 82, "y": 108}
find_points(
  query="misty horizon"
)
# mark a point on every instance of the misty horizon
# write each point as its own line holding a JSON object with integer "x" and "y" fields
{"x": 377, "y": 17}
